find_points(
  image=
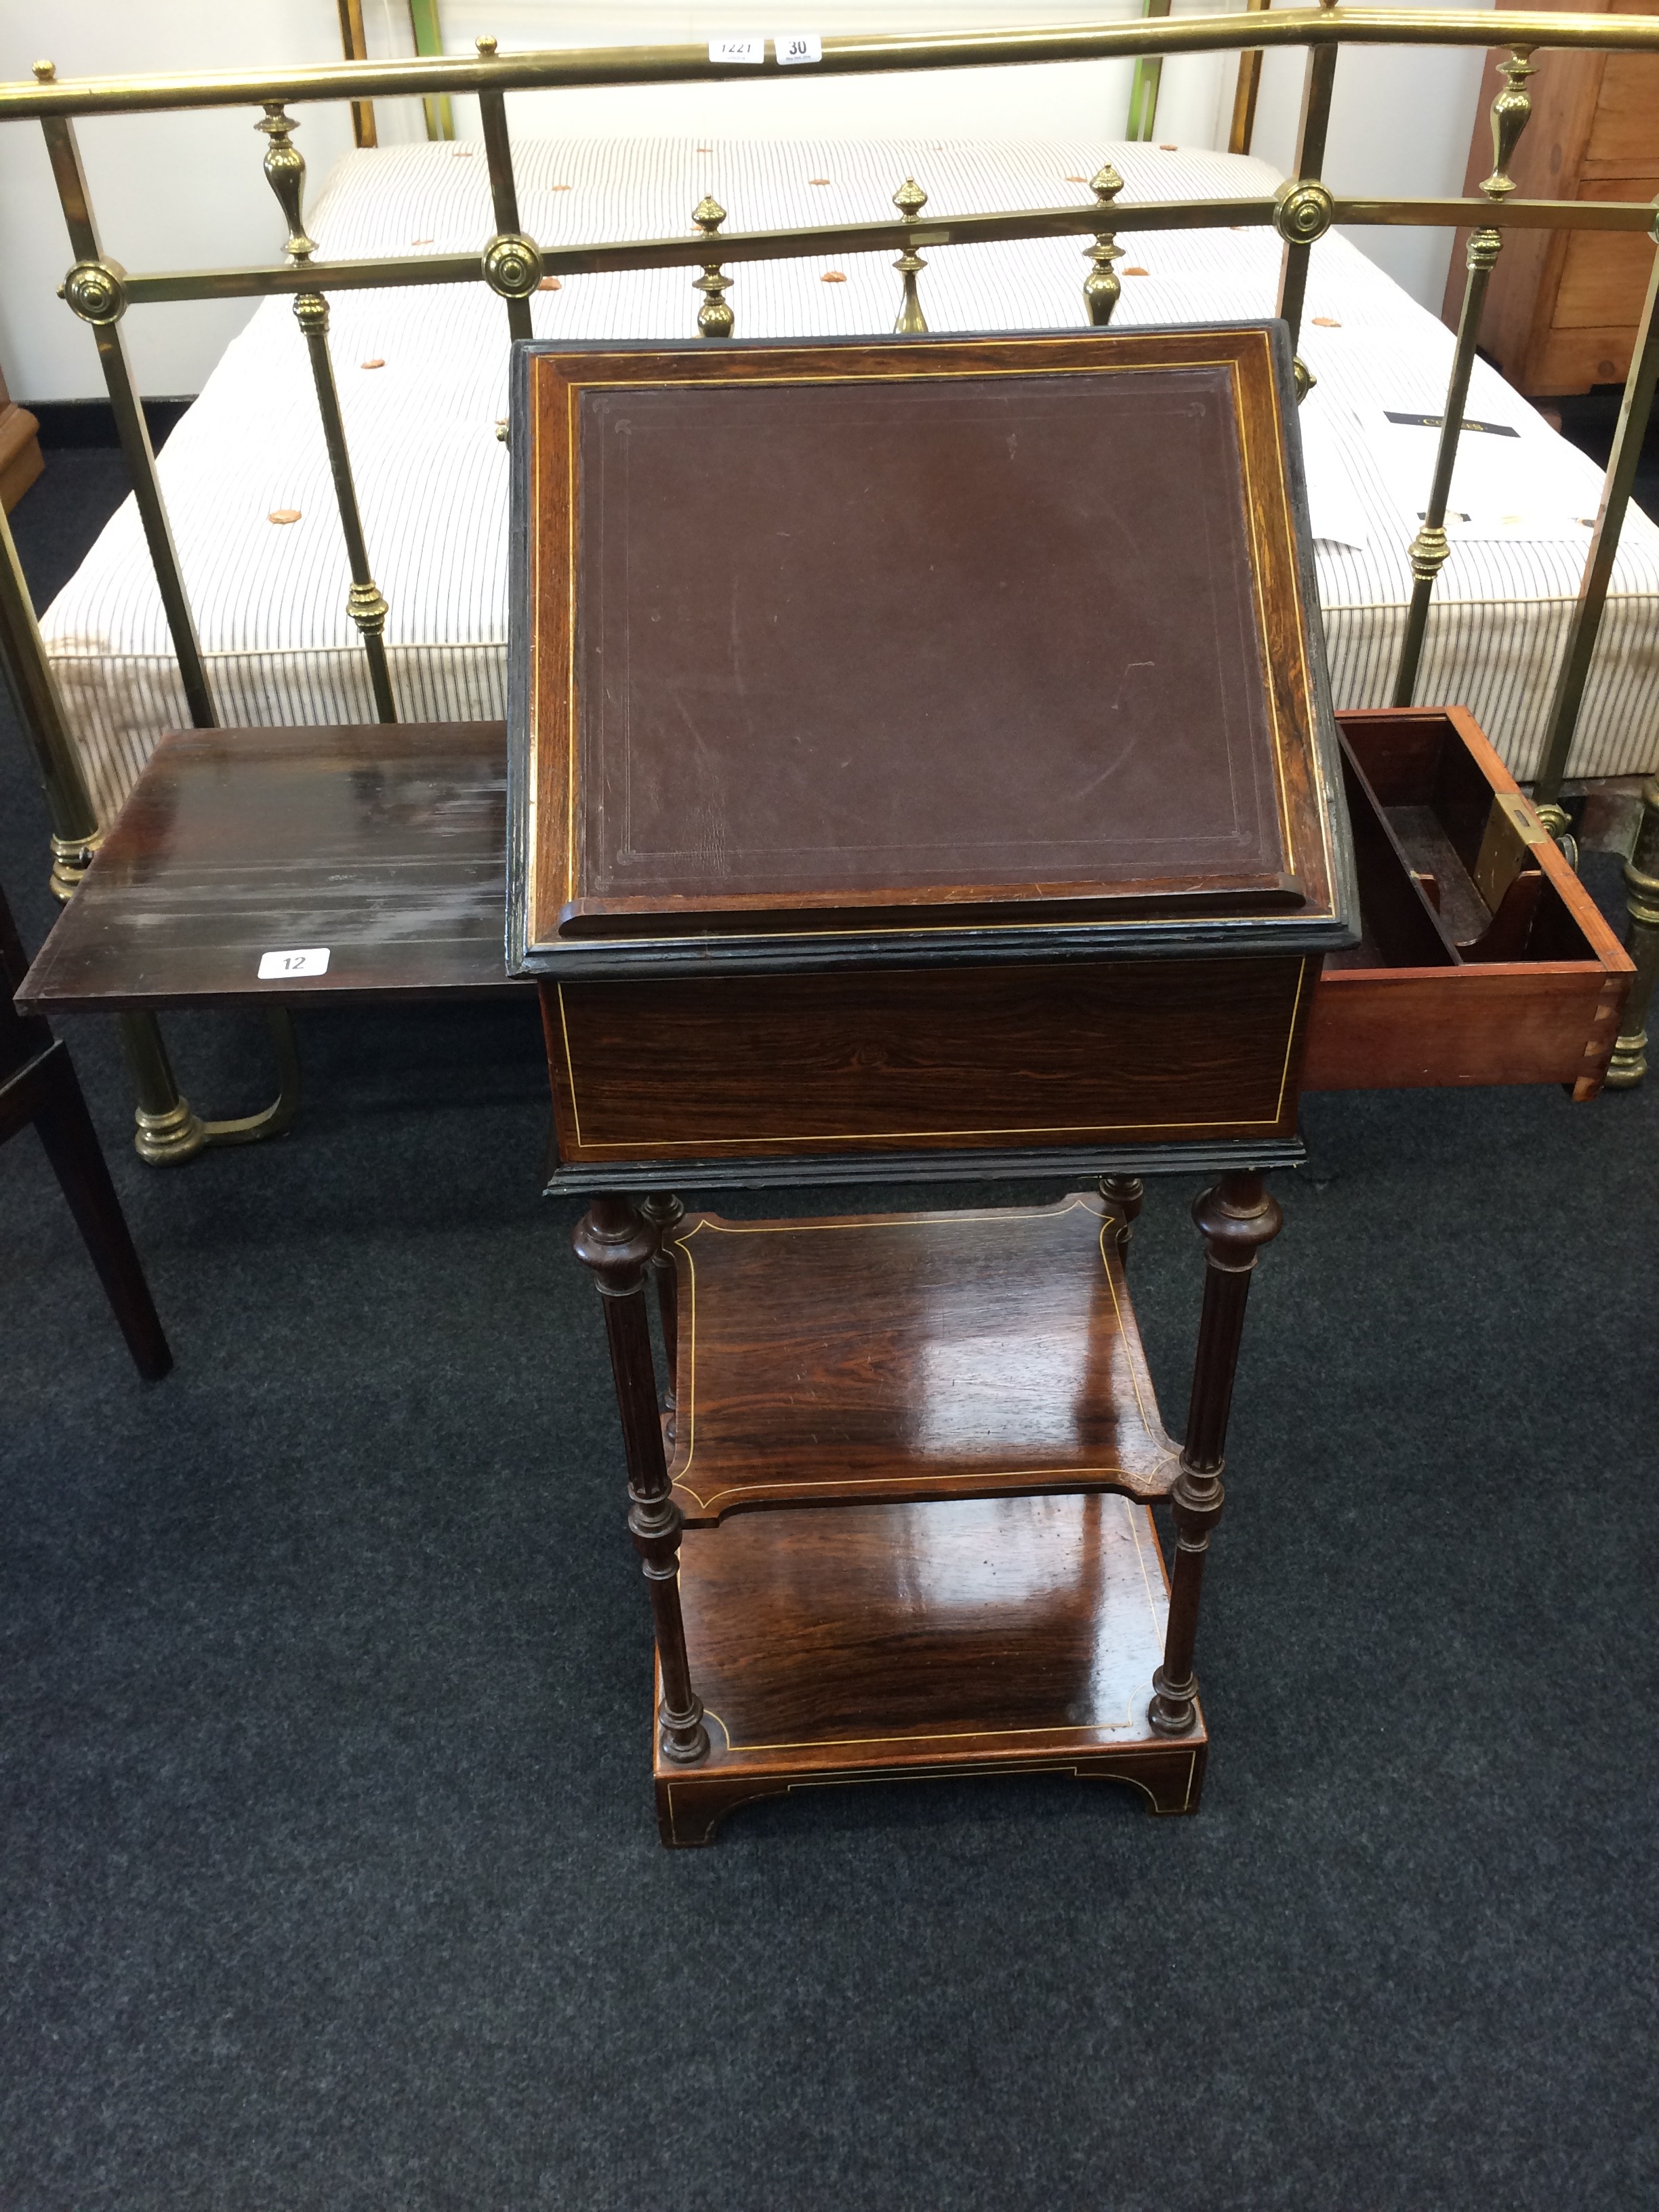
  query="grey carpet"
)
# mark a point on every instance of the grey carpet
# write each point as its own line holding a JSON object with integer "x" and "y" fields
{"x": 328, "y": 1868}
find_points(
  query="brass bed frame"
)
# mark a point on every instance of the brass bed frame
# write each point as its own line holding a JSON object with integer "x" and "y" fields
{"x": 512, "y": 264}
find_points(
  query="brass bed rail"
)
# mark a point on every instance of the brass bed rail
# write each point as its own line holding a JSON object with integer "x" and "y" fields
{"x": 513, "y": 264}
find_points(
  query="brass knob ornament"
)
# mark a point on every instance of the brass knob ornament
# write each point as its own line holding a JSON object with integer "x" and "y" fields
{"x": 1302, "y": 210}
{"x": 95, "y": 291}
{"x": 513, "y": 265}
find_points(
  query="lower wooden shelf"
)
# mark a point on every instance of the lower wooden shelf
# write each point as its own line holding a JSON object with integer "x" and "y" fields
{"x": 858, "y": 1644}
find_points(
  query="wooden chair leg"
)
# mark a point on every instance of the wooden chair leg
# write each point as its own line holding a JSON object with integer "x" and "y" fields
{"x": 619, "y": 1246}
{"x": 77, "y": 1159}
{"x": 1234, "y": 1220}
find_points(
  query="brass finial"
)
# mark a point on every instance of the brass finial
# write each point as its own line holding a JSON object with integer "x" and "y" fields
{"x": 96, "y": 290}
{"x": 1427, "y": 552}
{"x": 1303, "y": 378}
{"x": 44, "y": 72}
{"x": 714, "y": 317}
{"x": 1101, "y": 287}
{"x": 911, "y": 199}
{"x": 1509, "y": 112}
{"x": 366, "y": 608}
{"x": 285, "y": 172}
{"x": 486, "y": 48}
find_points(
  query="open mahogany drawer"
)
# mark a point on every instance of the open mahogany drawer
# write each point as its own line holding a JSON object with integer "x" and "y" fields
{"x": 1483, "y": 957}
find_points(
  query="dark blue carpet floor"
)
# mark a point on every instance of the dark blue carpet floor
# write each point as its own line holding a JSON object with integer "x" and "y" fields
{"x": 328, "y": 1871}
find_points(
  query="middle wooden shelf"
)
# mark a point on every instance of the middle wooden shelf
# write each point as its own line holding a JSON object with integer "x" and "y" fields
{"x": 903, "y": 1356}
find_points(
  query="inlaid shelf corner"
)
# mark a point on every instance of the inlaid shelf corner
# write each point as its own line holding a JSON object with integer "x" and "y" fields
{"x": 930, "y": 1442}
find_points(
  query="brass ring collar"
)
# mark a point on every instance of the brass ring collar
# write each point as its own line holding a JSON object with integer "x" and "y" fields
{"x": 1303, "y": 210}
{"x": 512, "y": 265}
{"x": 96, "y": 290}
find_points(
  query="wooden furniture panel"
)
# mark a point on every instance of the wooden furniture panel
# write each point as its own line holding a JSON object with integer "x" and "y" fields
{"x": 738, "y": 761}
{"x": 20, "y": 449}
{"x": 908, "y": 1356}
{"x": 1562, "y": 306}
{"x": 811, "y": 658}
{"x": 1006, "y": 1636}
{"x": 1604, "y": 276}
{"x": 386, "y": 845}
{"x": 1484, "y": 959}
{"x": 1622, "y": 135}
{"x": 927, "y": 1058}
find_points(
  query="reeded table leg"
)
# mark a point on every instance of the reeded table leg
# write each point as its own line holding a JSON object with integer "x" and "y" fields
{"x": 665, "y": 1212}
{"x": 620, "y": 1245}
{"x": 1125, "y": 1194}
{"x": 1235, "y": 1220}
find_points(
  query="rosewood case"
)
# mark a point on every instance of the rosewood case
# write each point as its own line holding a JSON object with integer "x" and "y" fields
{"x": 919, "y": 747}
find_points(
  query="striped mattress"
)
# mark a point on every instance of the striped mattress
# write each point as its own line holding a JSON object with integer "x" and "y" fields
{"x": 423, "y": 376}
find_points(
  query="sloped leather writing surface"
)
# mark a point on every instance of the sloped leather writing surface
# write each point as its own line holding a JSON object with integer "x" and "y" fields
{"x": 966, "y": 636}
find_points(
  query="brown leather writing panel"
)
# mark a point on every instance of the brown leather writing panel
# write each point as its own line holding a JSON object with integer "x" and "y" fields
{"x": 905, "y": 634}
{"x": 951, "y": 635}
{"x": 990, "y": 1056}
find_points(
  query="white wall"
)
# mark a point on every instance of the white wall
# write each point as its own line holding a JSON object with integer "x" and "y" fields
{"x": 170, "y": 192}
{"x": 184, "y": 191}
{"x": 1401, "y": 119}
{"x": 1063, "y": 99}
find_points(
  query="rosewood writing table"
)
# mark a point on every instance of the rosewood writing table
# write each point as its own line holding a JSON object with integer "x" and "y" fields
{"x": 922, "y": 761}
{"x": 922, "y": 765}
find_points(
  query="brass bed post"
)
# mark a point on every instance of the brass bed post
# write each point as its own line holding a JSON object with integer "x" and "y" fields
{"x": 75, "y": 827}
{"x": 1629, "y": 1063}
{"x": 95, "y": 289}
{"x": 1250, "y": 85}
{"x": 1302, "y": 209}
{"x": 169, "y": 1131}
{"x": 512, "y": 261}
{"x": 1429, "y": 549}
{"x": 354, "y": 45}
{"x": 285, "y": 172}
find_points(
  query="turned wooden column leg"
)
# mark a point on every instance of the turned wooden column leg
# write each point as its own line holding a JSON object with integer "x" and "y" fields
{"x": 1234, "y": 1220}
{"x": 1125, "y": 1194}
{"x": 665, "y": 1212}
{"x": 1629, "y": 1063}
{"x": 619, "y": 1246}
